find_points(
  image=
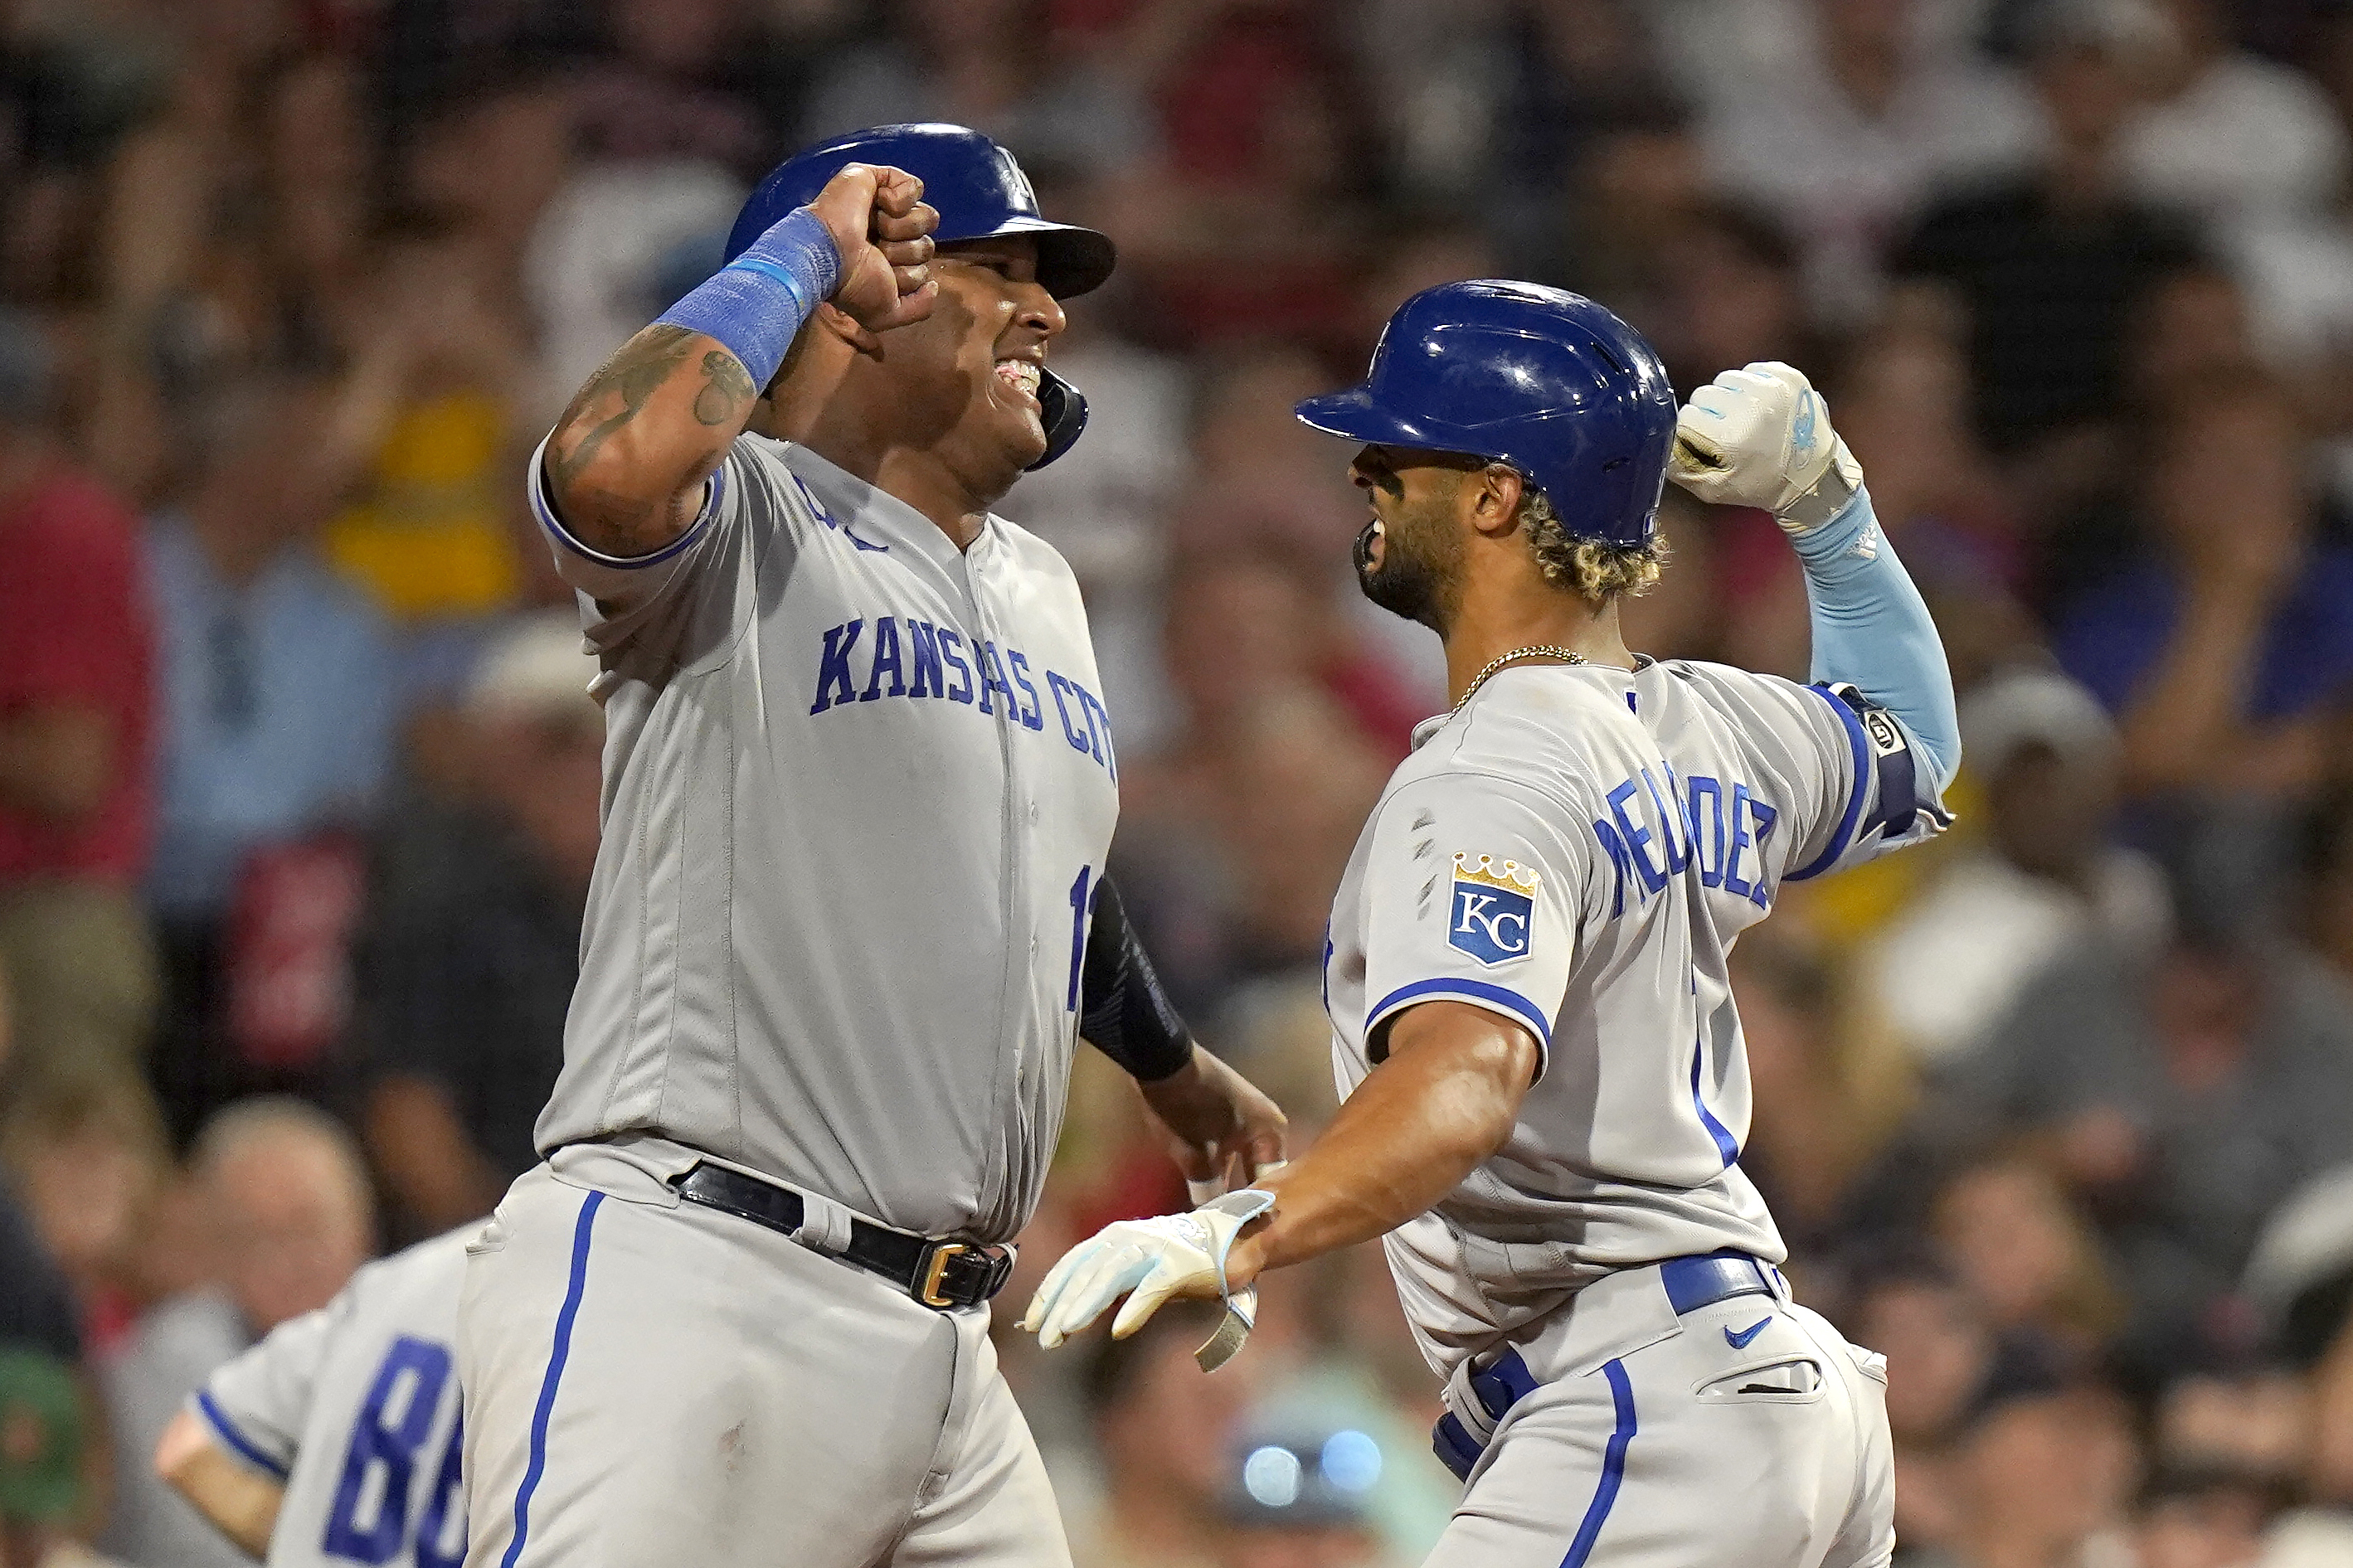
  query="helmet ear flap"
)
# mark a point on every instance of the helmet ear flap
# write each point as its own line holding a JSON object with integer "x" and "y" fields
{"x": 1063, "y": 410}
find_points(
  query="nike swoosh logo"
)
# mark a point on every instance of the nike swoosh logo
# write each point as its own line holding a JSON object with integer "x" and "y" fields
{"x": 1739, "y": 1341}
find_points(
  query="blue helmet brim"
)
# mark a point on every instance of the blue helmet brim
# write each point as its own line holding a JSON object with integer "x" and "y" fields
{"x": 1355, "y": 416}
{"x": 1071, "y": 260}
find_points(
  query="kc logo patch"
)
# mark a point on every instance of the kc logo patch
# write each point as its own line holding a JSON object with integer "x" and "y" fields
{"x": 1495, "y": 906}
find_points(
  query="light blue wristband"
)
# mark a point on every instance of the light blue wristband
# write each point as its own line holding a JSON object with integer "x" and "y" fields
{"x": 756, "y": 303}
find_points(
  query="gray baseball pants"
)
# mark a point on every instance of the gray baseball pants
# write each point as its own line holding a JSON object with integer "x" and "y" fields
{"x": 649, "y": 1383}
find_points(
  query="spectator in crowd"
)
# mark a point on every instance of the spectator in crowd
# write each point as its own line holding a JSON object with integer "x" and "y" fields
{"x": 431, "y": 529}
{"x": 1250, "y": 814}
{"x": 472, "y": 941}
{"x": 2238, "y": 138}
{"x": 278, "y": 682}
{"x": 2225, "y": 646}
{"x": 1731, "y": 295}
{"x": 696, "y": 81}
{"x": 89, "y": 1161}
{"x": 1873, "y": 122}
{"x": 2044, "y": 1467}
{"x": 991, "y": 65}
{"x": 2027, "y": 1251}
{"x": 619, "y": 243}
{"x": 1506, "y": 97}
{"x": 1638, "y": 183}
{"x": 2044, "y": 877}
{"x": 2201, "y": 1519}
{"x": 1253, "y": 227}
{"x": 76, "y": 712}
{"x": 2045, "y": 267}
{"x": 2183, "y": 1092}
{"x": 284, "y": 1190}
{"x": 1926, "y": 1323}
{"x": 45, "y": 1486}
{"x": 482, "y": 157}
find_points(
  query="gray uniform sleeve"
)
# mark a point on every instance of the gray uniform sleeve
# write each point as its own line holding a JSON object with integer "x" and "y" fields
{"x": 258, "y": 1404}
{"x": 1852, "y": 777}
{"x": 1474, "y": 892}
{"x": 626, "y": 599}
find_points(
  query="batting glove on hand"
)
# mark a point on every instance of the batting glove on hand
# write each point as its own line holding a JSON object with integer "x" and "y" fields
{"x": 1147, "y": 1260}
{"x": 1762, "y": 437}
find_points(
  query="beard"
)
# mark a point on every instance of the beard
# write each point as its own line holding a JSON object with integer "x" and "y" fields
{"x": 1415, "y": 571}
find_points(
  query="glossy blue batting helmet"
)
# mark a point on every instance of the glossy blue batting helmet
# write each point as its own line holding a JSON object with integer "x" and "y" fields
{"x": 979, "y": 192}
{"x": 1539, "y": 378}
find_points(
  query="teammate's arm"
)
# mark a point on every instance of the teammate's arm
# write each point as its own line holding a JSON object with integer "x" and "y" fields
{"x": 627, "y": 465}
{"x": 1440, "y": 1107}
{"x": 241, "y": 1502}
{"x": 1443, "y": 1101}
{"x": 1762, "y": 437}
{"x": 1221, "y": 1130}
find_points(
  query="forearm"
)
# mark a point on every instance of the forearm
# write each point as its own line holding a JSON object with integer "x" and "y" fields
{"x": 240, "y": 1502}
{"x": 1873, "y": 630}
{"x": 2184, "y": 721}
{"x": 627, "y": 463}
{"x": 1441, "y": 1105}
{"x": 431, "y": 1166}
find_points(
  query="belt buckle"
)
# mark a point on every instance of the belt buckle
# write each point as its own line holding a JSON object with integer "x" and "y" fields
{"x": 943, "y": 1253}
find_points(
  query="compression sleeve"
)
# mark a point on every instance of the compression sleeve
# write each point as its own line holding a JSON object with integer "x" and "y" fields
{"x": 1871, "y": 630}
{"x": 1122, "y": 1011}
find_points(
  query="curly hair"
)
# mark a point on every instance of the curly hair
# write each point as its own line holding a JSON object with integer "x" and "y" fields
{"x": 1599, "y": 572}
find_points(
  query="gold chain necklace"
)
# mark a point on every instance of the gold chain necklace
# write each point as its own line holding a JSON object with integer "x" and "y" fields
{"x": 1537, "y": 650}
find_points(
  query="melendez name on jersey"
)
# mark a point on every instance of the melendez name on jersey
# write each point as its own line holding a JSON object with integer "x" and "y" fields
{"x": 858, "y": 785}
{"x": 1577, "y": 850}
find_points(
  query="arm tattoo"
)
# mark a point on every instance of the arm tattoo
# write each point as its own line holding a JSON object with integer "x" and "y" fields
{"x": 643, "y": 364}
{"x": 727, "y": 388}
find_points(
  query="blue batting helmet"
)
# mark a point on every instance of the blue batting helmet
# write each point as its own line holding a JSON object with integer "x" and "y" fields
{"x": 1539, "y": 378}
{"x": 979, "y": 192}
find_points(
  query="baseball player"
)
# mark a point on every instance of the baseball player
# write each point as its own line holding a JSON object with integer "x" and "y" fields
{"x": 848, "y": 915}
{"x": 336, "y": 1438}
{"x": 1546, "y": 1086}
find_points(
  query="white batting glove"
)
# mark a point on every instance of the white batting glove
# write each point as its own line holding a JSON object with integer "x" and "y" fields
{"x": 1149, "y": 1260}
{"x": 1762, "y": 437}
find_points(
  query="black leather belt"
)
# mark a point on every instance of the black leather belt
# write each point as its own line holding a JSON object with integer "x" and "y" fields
{"x": 939, "y": 1274}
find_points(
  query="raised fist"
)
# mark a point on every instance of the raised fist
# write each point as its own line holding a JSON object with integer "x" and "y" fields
{"x": 1762, "y": 437}
{"x": 882, "y": 231}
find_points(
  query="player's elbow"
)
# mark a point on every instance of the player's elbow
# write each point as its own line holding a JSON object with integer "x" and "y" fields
{"x": 620, "y": 495}
{"x": 180, "y": 1452}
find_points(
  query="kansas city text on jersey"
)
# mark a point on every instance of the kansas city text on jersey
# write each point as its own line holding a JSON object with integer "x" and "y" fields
{"x": 925, "y": 660}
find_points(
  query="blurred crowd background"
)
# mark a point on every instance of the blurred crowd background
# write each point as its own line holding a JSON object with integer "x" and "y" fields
{"x": 298, "y": 782}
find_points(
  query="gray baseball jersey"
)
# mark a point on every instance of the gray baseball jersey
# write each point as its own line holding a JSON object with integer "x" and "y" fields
{"x": 1577, "y": 850}
{"x": 355, "y": 1407}
{"x": 858, "y": 791}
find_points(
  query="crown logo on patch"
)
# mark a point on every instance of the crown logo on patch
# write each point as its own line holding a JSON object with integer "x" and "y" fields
{"x": 1510, "y": 876}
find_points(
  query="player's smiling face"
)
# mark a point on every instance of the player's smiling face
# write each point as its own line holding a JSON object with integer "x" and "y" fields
{"x": 1411, "y": 551}
{"x": 969, "y": 373}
